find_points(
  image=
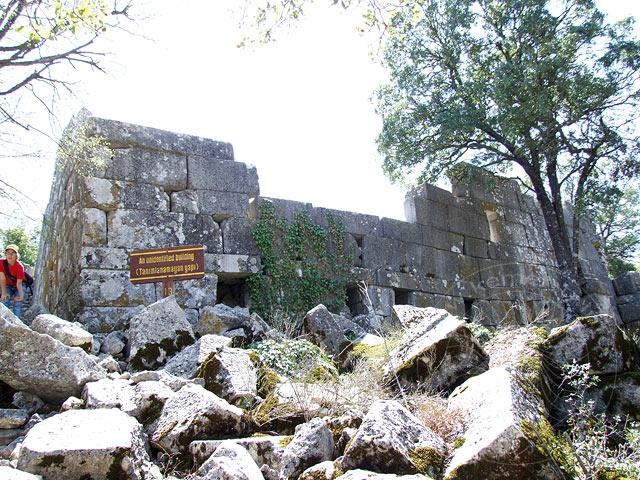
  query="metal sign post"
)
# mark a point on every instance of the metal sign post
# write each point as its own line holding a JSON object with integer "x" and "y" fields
{"x": 167, "y": 265}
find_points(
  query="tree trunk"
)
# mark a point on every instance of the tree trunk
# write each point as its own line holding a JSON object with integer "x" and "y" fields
{"x": 561, "y": 243}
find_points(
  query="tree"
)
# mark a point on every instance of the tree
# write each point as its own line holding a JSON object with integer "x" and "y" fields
{"x": 545, "y": 89}
{"x": 615, "y": 212}
{"x": 28, "y": 244}
{"x": 39, "y": 37}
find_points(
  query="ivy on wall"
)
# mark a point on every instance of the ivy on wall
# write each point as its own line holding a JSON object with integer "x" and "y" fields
{"x": 302, "y": 264}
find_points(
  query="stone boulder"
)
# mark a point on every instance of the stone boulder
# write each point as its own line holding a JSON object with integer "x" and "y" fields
{"x": 71, "y": 334}
{"x": 438, "y": 351}
{"x": 114, "y": 343}
{"x": 327, "y": 470}
{"x": 156, "y": 333}
{"x": 311, "y": 444}
{"x": 188, "y": 361}
{"x": 500, "y": 439}
{"x": 230, "y": 461}
{"x": 324, "y": 330}
{"x": 222, "y": 319}
{"x": 41, "y": 365}
{"x": 97, "y": 444}
{"x": 143, "y": 400}
{"x": 265, "y": 450}
{"x": 194, "y": 413}
{"x": 231, "y": 374}
{"x": 595, "y": 340}
{"x": 392, "y": 440}
{"x": 366, "y": 475}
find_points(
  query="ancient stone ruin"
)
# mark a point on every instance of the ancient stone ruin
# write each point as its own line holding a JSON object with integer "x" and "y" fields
{"x": 480, "y": 252}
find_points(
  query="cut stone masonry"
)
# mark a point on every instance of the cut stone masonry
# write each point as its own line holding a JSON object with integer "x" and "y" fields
{"x": 480, "y": 252}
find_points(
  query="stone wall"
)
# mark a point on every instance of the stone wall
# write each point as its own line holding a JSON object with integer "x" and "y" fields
{"x": 480, "y": 251}
{"x": 627, "y": 288}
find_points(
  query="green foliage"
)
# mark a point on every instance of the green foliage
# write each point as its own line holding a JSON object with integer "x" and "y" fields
{"x": 293, "y": 357}
{"x": 302, "y": 265}
{"x": 28, "y": 244}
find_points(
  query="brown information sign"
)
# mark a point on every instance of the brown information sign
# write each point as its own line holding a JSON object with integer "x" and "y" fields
{"x": 166, "y": 265}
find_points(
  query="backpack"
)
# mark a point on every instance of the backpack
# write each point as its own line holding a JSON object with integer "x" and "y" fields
{"x": 28, "y": 279}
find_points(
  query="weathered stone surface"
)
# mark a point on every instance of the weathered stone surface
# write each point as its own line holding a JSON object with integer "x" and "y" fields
{"x": 78, "y": 444}
{"x": 265, "y": 450}
{"x": 327, "y": 470}
{"x": 39, "y": 364}
{"x": 114, "y": 343}
{"x": 367, "y": 475}
{"x": 138, "y": 229}
{"x": 171, "y": 381}
{"x": 188, "y": 361}
{"x": 12, "y": 418}
{"x": 232, "y": 265}
{"x": 392, "y": 440}
{"x": 155, "y": 334}
{"x": 618, "y": 395}
{"x": 104, "y": 257}
{"x": 595, "y": 340}
{"x": 230, "y": 461}
{"x": 123, "y": 134}
{"x": 230, "y": 374}
{"x": 221, "y": 205}
{"x": 9, "y": 473}
{"x": 195, "y": 293}
{"x": 108, "y": 319}
{"x": 143, "y": 400}
{"x": 324, "y": 330}
{"x": 627, "y": 283}
{"x": 438, "y": 351}
{"x": 109, "y": 195}
{"x": 70, "y": 334}
{"x": 500, "y": 438}
{"x": 194, "y": 413}
{"x": 27, "y": 401}
{"x": 113, "y": 288}
{"x": 221, "y": 318}
{"x": 238, "y": 238}
{"x": 311, "y": 444}
{"x": 222, "y": 176}
{"x": 139, "y": 165}
{"x": 95, "y": 227}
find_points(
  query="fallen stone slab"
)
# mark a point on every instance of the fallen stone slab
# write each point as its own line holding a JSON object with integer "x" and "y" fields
{"x": 392, "y": 440}
{"x": 230, "y": 461}
{"x": 324, "y": 330}
{"x": 96, "y": 444}
{"x": 312, "y": 443}
{"x": 13, "y": 418}
{"x": 39, "y": 364}
{"x": 157, "y": 333}
{"x": 194, "y": 413}
{"x": 231, "y": 374}
{"x": 595, "y": 340}
{"x": 438, "y": 352}
{"x": 188, "y": 361}
{"x": 266, "y": 450}
{"x": 71, "y": 334}
{"x": 500, "y": 439}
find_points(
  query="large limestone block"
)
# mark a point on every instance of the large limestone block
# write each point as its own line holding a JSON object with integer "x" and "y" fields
{"x": 104, "y": 257}
{"x": 221, "y": 318}
{"x": 142, "y": 400}
{"x": 232, "y": 265}
{"x": 324, "y": 330}
{"x": 221, "y": 205}
{"x": 265, "y": 450}
{"x": 138, "y": 229}
{"x": 231, "y": 374}
{"x": 139, "y": 165}
{"x": 230, "y": 461}
{"x": 595, "y": 340}
{"x": 109, "y": 195}
{"x": 194, "y": 293}
{"x": 499, "y": 439}
{"x": 437, "y": 351}
{"x": 156, "y": 333}
{"x": 311, "y": 444}
{"x": 122, "y": 134}
{"x": 39, "y": 364}
{"x": 237, "y": 234}
{"x": 70, "y": 334}
{"x": 79, "y": 444}
{"x": 113, "y": 288}
{"x": 627, "y": 283}
{"x": 222, "y": 176}
{"x": 188, "y": 361}
{"x": 392, "y": 440}
{"x": 426, "y": 212}
{"x": 194, "y": 413}
{"x": 94, "y": 231}
{"x": 108, "y": 319}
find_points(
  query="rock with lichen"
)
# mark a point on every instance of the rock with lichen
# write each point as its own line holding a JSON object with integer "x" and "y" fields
{"x": 503, "y": 435}
{"x": 156, "y": 333}
{"x": 595, "y": 340}
{"x": 97, "y": 444}
{"x": 264, "y": 449}
{"x": 392, "y": 440}
{"x": 312, "y": 443}
{"x": 195, "y": 413}
{"x": 324, "y": 330}
{"x": 437, "y": 351}
{"x": 71, "y": 334}
{"x": 230, "y": 461}
{"x": 187, "y": 362}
